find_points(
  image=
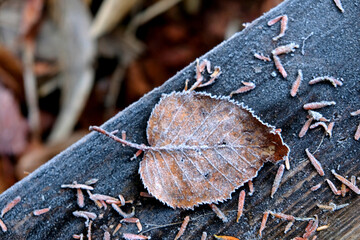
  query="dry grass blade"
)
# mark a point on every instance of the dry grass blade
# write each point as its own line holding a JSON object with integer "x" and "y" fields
{"x": 151, "y": 12}
{"x": 110, "y": 14}
{"x": 76, "y": 52}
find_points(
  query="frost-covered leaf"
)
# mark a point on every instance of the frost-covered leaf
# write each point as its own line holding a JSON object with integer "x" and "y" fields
{"x": 203, "y": 148}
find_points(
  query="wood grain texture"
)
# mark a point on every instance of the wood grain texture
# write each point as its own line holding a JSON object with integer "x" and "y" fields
{"x": 333, "y": 50}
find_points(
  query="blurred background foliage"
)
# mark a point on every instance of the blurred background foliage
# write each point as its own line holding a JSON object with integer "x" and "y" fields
{"x": 68, "y": 64}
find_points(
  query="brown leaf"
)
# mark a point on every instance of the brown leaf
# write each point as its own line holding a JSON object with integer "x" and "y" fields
{"x": 203, "y": 148}
{"x": 13, "y": 127}
{"x": 31, "y": 16}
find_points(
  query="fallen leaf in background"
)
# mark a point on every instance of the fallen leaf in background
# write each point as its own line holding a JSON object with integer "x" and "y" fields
{"x": 38, "y": 154}
{"x": 13, "y": 126}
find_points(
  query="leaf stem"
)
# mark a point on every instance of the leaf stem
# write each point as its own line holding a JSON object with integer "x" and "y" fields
{"x": 122, "y": 141}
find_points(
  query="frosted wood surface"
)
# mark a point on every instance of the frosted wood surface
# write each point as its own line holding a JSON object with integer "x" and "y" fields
{"x": 333, "y": 50}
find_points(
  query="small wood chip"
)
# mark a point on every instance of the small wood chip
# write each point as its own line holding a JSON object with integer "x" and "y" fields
{"x": 283, "y": 216}
{"x": 346, "y": 182}
{"x": 279, "y": 66}
{"x": 133, "y": 220}
{"x": 311, "y": 227}
{"x": 146, "y": 195}
{"x": 77, "y": 185}
{"x": 78, "y": 236}
{"x": 284, "y": 49}
{"x": 91, "y": 181}
{"x": 262, "y": 57}
{"x": 317, "y": 116}
{"x": 41, "y": 211}
{"x": 86, "y": 215}
{"x": 277, "y": 180}
{"x": 353, "y": 180}
{"x": 296, "y": 84}
{"x": 182, "y": 228}
{"x": 107, "y": 235}
{"x": 283, "y": 26}
{"x": 251, "y": 188}
{"x": 287, "y": 163}
{"x": 10, "y": 205}
{"x": 305, "y": 128}
{"x": 330, "y": 128}
{"x": 322, "y": 228}
{"x": 263, "y": 222}
{"x": 332, "y": 187}
{"x": 121, "y": 212}
{"x": 3, "y": 226}
{"x": 332, "y": 206}
{"x": 316, "y": 187}
{"x": 117, "y": 228}
{"x": 343, "y": 190}
{"x": 332, "y": 80}
{"x": 339, "y": 5}
{"x": 130, "y": 236}
{"x": 357, "y": 133}
{"x": 355, "y": 113}
{"x": 225, "y": 237}
{"x": 288, "y": 227}
{"x": 317, "y": 105}
{"x": 248, "y": 86}
{"x": 219, "y": 213}
{"x": 322, "y": 124}
{"x": 89, "y": 230}
{"x": 315, "y": 163}
{"x": 240, "y": 205}
{"x": 80, "y": 198}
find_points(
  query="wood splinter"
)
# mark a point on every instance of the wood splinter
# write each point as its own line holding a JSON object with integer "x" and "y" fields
{"x": 332, "y": 187}
{"x": 346, "y": 182}
{"x": 332, "y": 80}
{"x": 248, "y": 86}
{"x": 339, "y": 5}
{"x": 263, "y": 222}
{"x": 262, "y": 57}
{"x": 311, "y": 227}
{"x": 317, "y": 105}
{"x": 182, "y": 228}
{"x": 240, "y": 205}
{"x": 130, "y": 236}
{"x": 225, "y": 237}
{"x": 305, "y": 128}
{"x": 10, "y": 205}
{"x": 315, "y": 163}
{"x": 3, "y": 226}
{"x": 218, "y": 212}
{"x": 41, "y": 211}
{"x": 316, "y": 187}
{"x": 296, "y": 84}
{"x": 282, "y": 50}
{"x": 283, "y": 25}
{"x": 277, "y": 180}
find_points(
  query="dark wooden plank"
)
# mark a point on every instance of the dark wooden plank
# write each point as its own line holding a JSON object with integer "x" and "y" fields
{"x": 332, "y": 50}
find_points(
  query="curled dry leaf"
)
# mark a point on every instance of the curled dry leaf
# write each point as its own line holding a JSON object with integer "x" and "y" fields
{"x": 202, "y": 148}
